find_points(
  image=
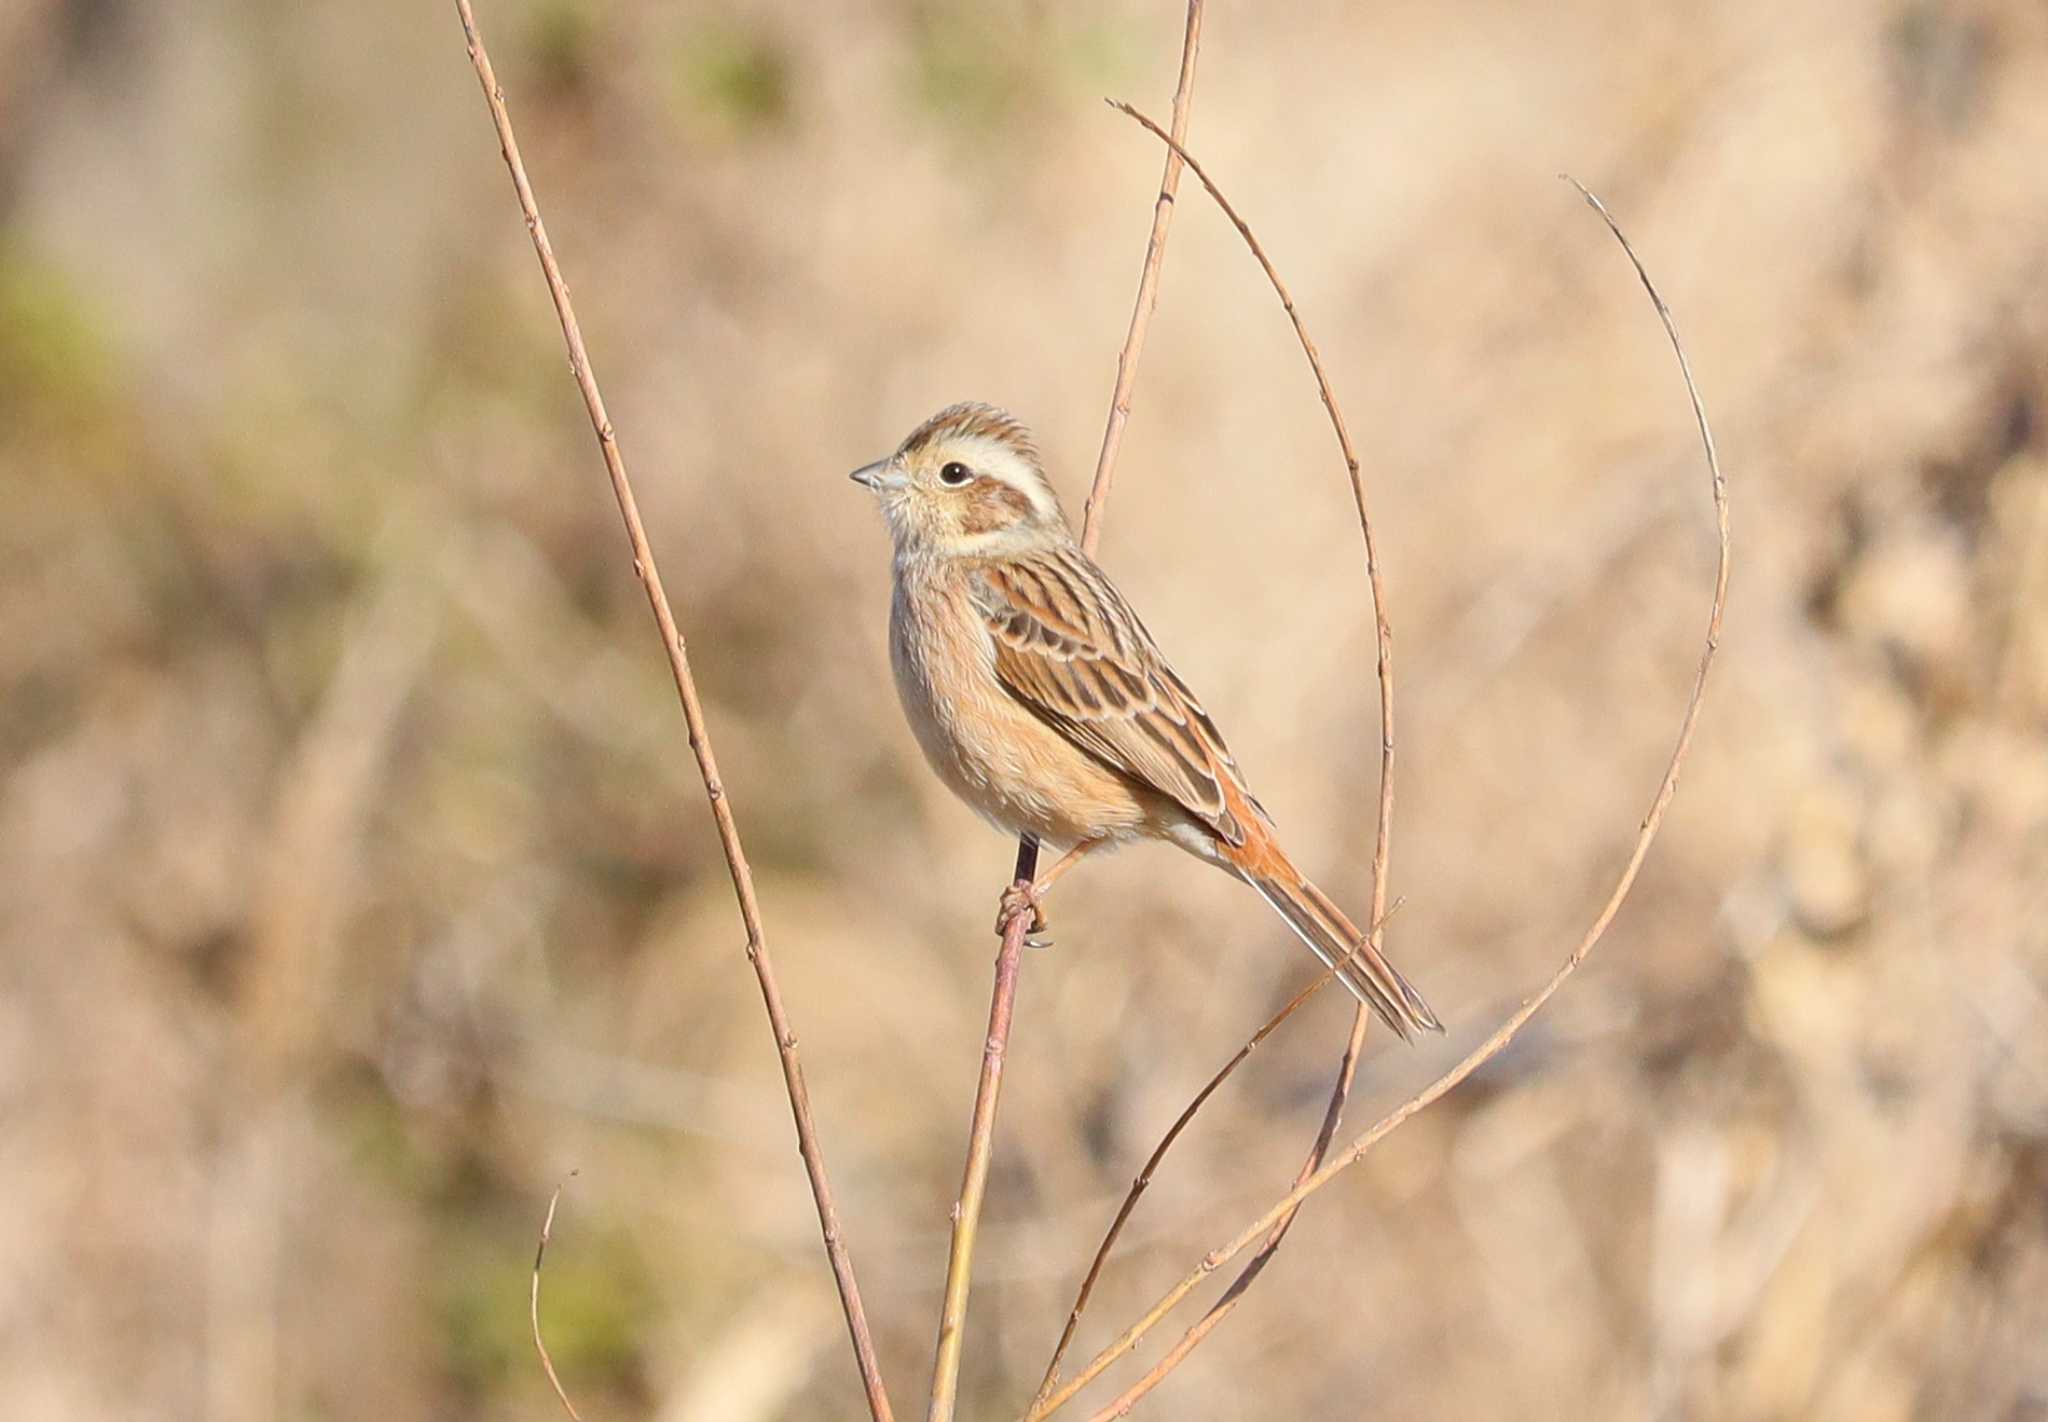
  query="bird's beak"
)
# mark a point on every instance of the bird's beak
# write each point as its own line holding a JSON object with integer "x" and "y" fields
{"x": 882, "y": 475}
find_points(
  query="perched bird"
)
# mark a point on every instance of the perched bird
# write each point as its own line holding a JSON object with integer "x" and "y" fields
{"x": 1040, "y": 698}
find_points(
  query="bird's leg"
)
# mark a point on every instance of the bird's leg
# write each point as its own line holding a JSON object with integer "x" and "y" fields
{"x": 1017, "y": 899}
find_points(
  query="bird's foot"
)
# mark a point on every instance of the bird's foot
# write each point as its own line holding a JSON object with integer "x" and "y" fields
{"x": 1018, "y": 900}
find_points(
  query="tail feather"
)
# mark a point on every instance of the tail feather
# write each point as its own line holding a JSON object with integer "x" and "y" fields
{"x": 1336, "y": 940}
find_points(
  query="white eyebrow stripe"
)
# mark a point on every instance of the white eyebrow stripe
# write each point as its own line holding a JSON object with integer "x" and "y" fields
{"x": 998, "y": 461}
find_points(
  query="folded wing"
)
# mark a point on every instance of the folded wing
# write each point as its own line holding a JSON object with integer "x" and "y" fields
{"x": 1068, "y": 646}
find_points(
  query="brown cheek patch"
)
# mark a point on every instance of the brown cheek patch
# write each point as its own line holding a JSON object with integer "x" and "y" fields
{"x": 991, "y": 504}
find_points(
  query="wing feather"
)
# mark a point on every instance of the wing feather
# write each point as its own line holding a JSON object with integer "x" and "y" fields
{"x": 1068, "y": 646}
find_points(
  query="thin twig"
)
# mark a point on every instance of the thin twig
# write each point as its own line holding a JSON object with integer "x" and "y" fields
{"x": 700, "y": 735}
{"x": 1383, "y": 632}
{"x": 974, "y": 1180}
{"x": 1507, "y": 1031}
{"x": 1383, "y": 637}
{"x": 547, "y": 1227}
{"x": 1143, "y": 1180}
{"x": 1699, "y": 410}
{"x": 981, "y": 1136}
{"x": 1148, "y": 291}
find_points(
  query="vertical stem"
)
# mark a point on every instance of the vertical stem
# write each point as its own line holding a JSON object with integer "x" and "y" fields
{"x": 980, "y": 1143}
{"x": 700, "y": 733}
{"x": 981, "y": 1140}
{"x": 1148, "y": 290}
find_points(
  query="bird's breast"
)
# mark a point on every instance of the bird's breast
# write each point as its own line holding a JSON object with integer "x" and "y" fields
{"x": 993, "y": 752}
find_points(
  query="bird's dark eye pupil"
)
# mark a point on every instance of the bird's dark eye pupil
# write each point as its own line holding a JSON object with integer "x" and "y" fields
{"x": 955, "y": 473}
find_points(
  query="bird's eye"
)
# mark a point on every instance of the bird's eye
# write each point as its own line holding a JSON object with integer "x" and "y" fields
{"x": 955, "y": 473}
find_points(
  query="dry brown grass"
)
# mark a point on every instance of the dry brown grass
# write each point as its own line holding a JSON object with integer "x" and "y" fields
{"x": 344, "y": 898}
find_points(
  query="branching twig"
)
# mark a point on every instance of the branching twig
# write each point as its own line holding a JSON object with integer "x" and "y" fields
{"x": 1143, "y": 1180}
{"x": 981, "y": 1137}
{"x": 1383, "y": 637}
{"x": 1383, "y": 632}
{"x": 540, "y": 1251}
{"x": 1507, "y": 1031}
{"x": 700, "y": 735}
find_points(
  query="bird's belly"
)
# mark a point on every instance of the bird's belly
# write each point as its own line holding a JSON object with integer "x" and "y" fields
{"x": 993, "y": 752}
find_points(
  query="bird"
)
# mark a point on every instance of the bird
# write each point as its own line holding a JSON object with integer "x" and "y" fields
{"x": 1040, "y": 699}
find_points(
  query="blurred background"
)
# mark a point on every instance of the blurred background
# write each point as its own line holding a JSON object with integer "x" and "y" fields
{"x": 355, "y": 881}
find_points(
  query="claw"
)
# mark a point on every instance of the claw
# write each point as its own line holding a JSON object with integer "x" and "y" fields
{"x": 1014, "y": 902}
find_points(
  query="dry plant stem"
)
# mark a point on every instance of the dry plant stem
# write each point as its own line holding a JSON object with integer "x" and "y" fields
{"x": 974, "y": 1181}
{"x": 1143, "y": 1181}
{"x": 1333, "y": 1114}
{"x": 700, "y": 735}
{"x": 1148, "y": 291}
{"x": 1383, "y": 632}
{"x": 547, "y": 1364}
{"x": 1383, "y": 637}
{"x": 1507, "y": 1031}
{"x": 981, "y": 1141}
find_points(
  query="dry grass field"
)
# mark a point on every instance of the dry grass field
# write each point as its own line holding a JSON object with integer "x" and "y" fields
{"x": 355, "y": 880}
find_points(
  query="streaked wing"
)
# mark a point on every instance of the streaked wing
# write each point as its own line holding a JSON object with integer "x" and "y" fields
{"x": 1069, "y": 647}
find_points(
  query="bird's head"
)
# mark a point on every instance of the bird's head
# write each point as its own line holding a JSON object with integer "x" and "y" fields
{"x": 966, "y": 482}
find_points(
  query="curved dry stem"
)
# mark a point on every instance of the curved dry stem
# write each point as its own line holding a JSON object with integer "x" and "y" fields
{"x": 1383, "y": 632}
{"x": 1143, "y": 1181}
{"x": 547, "y": 1228}
{"x": 1383, "y": 636}
{"x": 1506, "y": 1032}
{"x": 1333, "y": 1113}
{"x": 981, "y": 1139}
{"x": 700, "y": 734}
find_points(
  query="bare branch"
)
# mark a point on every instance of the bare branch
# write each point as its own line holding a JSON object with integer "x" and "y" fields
{"x": 547, "y": 1227}
{"x": 700, "y": 734}
{"x": 1148, "y": 292}
{"x": 980, "y": 1147}
{"x": 981, "y": 1136}
{"x": 1507, "y": 1031}
{"x": 1383, "y": 632}
{"x": 1143, "y": 1181}
{"x": 1383, "y": 636}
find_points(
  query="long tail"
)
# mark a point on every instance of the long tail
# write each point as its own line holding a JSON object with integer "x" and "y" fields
{"x": 1336, "y": 940}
